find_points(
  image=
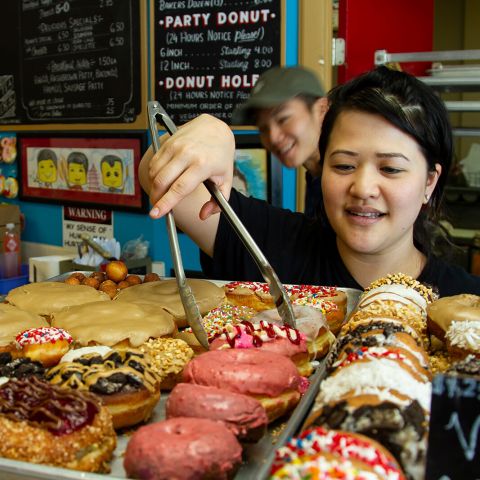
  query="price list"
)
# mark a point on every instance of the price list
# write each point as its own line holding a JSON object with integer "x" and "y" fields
{"x": 80, "y": 60}
{"x": 210, "y": 53}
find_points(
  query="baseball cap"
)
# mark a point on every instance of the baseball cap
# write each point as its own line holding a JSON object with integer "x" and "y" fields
{"x": 274, "y": 87}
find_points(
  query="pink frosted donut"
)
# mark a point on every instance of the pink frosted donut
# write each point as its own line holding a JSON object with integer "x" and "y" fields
{"x": 183, "y": 449}
{"x": 45, "y": 344}
{"x": 343, "y": 451}
{"x": 270, "y": 377}
{"x": 243, "y": 415}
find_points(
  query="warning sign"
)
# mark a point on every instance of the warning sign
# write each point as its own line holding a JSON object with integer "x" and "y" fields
{"x": 97, "y": 222}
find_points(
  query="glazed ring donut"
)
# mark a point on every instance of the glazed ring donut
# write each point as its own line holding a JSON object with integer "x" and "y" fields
{"x": 186, "y": 448}
{"x": 243, "y": 415}
{"x": 123, "y": 379}
{"x": 343, "y": 452}
{"x": 271, "y": 378}
{"x": 77, "y": 433}
{"x": 458, "y": 308}
{"x": 46, "y": 345}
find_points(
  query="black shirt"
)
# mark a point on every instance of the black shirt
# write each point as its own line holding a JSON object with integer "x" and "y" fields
{"x": 302, "y": 251}
{"x": 313, "y": 195}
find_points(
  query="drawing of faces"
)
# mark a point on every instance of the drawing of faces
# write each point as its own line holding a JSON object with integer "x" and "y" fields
{"x": 112, "y": 171}
{"x": 47, "y": 166}
{"x": 77, "y": 163}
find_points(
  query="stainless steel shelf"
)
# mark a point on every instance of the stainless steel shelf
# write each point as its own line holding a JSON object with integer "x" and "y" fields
{"x": 463, "y": 106}
{"x": 382, "y": 56}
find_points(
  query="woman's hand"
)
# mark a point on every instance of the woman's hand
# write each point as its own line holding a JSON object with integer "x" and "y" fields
{"x": 201, "y": 149}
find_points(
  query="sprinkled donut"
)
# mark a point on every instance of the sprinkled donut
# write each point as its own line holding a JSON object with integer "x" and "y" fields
{"x": 318, "y": 450}
{"x": 45, "y": 344}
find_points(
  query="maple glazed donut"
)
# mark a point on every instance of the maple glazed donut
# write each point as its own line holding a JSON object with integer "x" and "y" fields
{"x": 123, "y": 379}
{"x": 242, "y": 414}
{"x": 271, "y": 378}
{"x": 459, "y": 308}
{"x": 335, "y": 454}
{"x": 183, "y": 449}
{"x": 164, "y": 294}
{"x": 77, "y": 432}
{"x": 114, "y": 323}
{"x": 45, "y": 298}
{"x": 46, "y": 345}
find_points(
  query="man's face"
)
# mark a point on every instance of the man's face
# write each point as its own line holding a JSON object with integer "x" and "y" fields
{"x": 47, "y": 171}
{"x": 112, "y": 175}
{"x": 77, "y": 174}
{"x": 291, "y": 131}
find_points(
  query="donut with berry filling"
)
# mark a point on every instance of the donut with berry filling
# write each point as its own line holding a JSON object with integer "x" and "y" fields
{"x": 271, "y": 378}
{"x": 183, "y": 448}
{"x": 123, "y": 379}
{"x": 243, "y": 415}
{"x": 46, "y": 424}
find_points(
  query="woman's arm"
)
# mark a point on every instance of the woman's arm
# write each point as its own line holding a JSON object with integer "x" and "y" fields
{"x": 173, "y": 178}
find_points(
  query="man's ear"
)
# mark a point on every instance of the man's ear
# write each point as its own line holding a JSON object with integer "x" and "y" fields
{"x": 321, "y": 104}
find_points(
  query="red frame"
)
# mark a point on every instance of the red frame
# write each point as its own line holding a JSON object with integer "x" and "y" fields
{"x": 116, "y": 200}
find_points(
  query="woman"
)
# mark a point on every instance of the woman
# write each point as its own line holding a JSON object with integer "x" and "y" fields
{"x": 386, "y": 149}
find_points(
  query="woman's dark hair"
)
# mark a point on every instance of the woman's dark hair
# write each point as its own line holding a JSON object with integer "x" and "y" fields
{"x": 414, "y": 108}
{"x": 47, "y": 154}
{"x": 78, "y": 157}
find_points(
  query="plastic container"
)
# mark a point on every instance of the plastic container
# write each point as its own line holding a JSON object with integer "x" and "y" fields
{"x": 10, "y": 261}
{"x": 7, "y": 284}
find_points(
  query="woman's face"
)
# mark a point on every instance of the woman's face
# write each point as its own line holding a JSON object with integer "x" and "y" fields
{"x": 291, "y": 131}
{"x": 374, "y": 183}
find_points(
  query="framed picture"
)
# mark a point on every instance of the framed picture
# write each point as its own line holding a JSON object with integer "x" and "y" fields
{"x": 99, "y": 169}
{"x": 251, "y": 174}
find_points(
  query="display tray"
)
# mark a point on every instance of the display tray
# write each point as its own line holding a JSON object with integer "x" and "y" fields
{"x": 257, "y": 457}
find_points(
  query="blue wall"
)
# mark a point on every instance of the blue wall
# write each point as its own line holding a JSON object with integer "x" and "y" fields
{"x": 44, "y": 221}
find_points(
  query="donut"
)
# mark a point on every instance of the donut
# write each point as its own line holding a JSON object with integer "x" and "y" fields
{"x": 469, "y": 366}
{"x": 463, "y": 339}
{"x": 271, "y": 378}
{"x": 330, "y": 300}
{"x": 169, "y": 357}
{"x": 111, "y": 323}
{"x": 45, "y": 344}
{"x": 280, "y": 339}
{"x": 459, "y": 308}
{"x": 45, "y": 298}
{"x": 13, "y": 367}
{"x": 214, "y": 321}
{"x": 335, "y": 454}
{"x": 183, "y": 449}
{"x": 123, "y": 379}
{"x": 164, "y": 294}
{"x": 77, "y": 432}
{"x": 311, "y": 322}
{"x": 14, "y": 320}
{"x": 243, "y": 415}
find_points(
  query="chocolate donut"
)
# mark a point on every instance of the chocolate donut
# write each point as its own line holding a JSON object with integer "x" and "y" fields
{"x": 243, "y": 415}
{"x": 183, "y": 449}
{"x": 271, "y": 378}
{"x": 45, "y": 424}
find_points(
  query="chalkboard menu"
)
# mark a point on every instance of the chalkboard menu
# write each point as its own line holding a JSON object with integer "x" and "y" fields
{"x": 70, "y": 61}
{"x": 453, "y": 445}
{"x": 209, "y": 53}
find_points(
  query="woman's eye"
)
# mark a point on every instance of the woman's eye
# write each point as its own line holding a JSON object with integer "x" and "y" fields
{"x": 343, "y": 167}
{"x": 391, "y": 170}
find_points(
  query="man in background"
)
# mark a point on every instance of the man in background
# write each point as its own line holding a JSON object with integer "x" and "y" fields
{"x": 287, "y": 104}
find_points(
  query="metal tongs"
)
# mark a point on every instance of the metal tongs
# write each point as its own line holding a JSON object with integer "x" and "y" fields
{"x": 194, "y": 318}
{"x": 277, "y": 290}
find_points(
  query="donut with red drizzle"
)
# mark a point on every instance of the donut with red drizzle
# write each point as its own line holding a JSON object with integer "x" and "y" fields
{"x": 45, "y": 424}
